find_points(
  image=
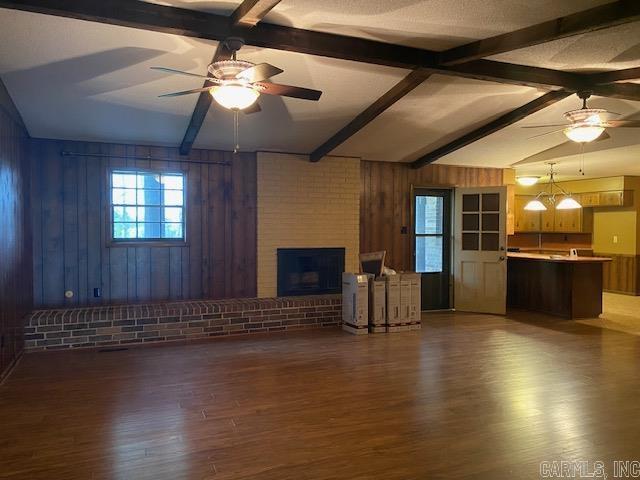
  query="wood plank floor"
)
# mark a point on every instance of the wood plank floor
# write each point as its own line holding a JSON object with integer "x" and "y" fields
{"x": 468, "y": 397}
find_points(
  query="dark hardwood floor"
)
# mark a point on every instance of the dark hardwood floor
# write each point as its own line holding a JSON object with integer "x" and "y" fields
{"x": 468, "y": 397}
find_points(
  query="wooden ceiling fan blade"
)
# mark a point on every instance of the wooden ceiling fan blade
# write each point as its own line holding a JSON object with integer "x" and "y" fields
{"x": 547, "y": 133}
{"x": 180, "y": 72}
{"x": 547, "y": 126}
{"x": 255, "y": 108}
{"x": 289, "y": 91}
{"x": 622, "y": 123}
{"x": 186, "y": 92}
{"x": 260, "y": 72}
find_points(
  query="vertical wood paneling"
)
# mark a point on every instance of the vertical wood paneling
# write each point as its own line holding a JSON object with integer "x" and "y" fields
{"x": 16, "y": 270}
{"x": 385, "y": 202}
{"x": 218, "y": 261}
{"x": 621, "y": 274}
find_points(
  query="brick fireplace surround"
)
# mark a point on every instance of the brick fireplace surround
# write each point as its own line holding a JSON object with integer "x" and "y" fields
{"x": 109, "y": 326}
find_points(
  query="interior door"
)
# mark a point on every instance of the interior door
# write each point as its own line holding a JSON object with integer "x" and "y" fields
{"x": 432, "y": 246}
{"x": 480, "y": 238}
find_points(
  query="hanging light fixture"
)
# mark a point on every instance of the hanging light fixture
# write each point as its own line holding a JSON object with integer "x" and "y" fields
{"x": 234, "y": 96}
{"x": 567, "y": 203}
{"x": 527, "y": 180}
{"x": 535, "y": 205}
{"x": 583, "y": 133}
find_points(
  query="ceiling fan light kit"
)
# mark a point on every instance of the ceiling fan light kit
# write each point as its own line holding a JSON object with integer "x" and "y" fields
{"x": 234, "y": 97}
{"x": 583, "y": 133}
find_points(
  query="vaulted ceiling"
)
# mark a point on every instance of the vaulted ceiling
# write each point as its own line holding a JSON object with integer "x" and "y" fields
{"x": 75, "y": 79}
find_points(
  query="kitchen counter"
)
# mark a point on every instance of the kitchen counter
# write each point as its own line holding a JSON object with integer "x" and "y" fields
{"x": 556, "y": 258}
{"x": 564, "y": 286}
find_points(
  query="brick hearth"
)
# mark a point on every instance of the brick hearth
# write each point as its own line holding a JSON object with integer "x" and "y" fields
{"x": 104, "y": 326}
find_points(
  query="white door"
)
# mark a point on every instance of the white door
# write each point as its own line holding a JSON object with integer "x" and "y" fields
{"x": 480, "y": 238}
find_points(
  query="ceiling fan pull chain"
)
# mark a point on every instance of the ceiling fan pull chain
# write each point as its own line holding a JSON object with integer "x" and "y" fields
{"x": 236, "y": 132}
{"x": 581, "y": 171}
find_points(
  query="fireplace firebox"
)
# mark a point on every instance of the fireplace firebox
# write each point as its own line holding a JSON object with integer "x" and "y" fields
{"x": 310, "y": 271}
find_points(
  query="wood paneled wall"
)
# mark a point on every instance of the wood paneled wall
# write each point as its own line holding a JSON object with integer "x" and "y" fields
{"x": 69, "y": 225}
{"x": 15, "y": 234}
{"x": 621, "y": 274}
{"x": 385, "y": 203}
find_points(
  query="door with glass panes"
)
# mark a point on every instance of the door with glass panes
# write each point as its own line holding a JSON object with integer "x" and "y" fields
{"x": 432, "y": 245}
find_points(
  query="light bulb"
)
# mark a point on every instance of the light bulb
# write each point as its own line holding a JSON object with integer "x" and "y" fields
{"x": 583, "y": 133}
{"x": 234, "y": 97}
{"x": 535, "y": 205}
{"x": 527, "y": 180}
{"x": 568, "y": 203}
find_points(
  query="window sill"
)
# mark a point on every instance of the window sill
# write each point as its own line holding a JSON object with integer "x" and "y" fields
{"x": 146, "y": 243}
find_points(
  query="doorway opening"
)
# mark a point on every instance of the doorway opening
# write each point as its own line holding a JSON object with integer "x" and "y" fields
{"x": 432, "y": 245}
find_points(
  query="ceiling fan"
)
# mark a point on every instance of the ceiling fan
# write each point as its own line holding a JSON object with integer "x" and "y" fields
{"x": 237, "y": 84}
{"x": 586, "y": 124}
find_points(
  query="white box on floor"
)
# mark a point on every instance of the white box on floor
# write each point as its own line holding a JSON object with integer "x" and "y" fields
{"x": 415, "y": 295}
{"x": 393, "y": 299}
{"x": 377, "y": 305}
{"x": 355, "y": 303}
{"x": 405, "y": 299}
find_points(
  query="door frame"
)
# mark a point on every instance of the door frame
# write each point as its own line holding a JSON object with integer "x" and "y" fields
{"x": 412, "y": 225}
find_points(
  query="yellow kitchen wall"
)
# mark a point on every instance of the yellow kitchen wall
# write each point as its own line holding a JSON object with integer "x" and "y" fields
{"x": 614, "y": 221}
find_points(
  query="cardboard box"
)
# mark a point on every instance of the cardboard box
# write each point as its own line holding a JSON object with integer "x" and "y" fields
{"x": 355, "y": 303}
{"x": 377, "y": 305}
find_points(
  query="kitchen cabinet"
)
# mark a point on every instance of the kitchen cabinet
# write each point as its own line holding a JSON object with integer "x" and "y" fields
{"x": 568, "y": 221}
{"x": 525, "y": 220}
{"x": 612, "y": 198}
{"x": 579, "y": 220}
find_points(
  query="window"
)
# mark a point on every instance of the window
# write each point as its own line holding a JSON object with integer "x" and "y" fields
{"x": 147, "y": 206}
{"x": 429, "y": 235}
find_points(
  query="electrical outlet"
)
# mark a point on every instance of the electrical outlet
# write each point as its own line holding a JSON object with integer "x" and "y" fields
{"x": 615, "y": 239}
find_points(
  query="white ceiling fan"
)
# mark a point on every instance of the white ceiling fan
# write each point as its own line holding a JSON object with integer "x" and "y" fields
{"x": 586, "y": 124}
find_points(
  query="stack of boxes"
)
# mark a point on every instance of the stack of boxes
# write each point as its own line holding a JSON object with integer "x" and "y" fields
{"x": 385, "y": 304}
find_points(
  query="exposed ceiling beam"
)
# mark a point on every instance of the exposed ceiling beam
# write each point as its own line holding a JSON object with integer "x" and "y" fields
{"x": 498, "y": 124}
{"x": 250, "y": 12}
{"x": 247, "y": 14}
{"x": 203, "y": 104}
{"x": 614, "y": 76}
{"x": 597, "y": 18}
{"x": 191, "y": 23}
{"x": 402, "y": 88}
{"x": 624, "y": 91}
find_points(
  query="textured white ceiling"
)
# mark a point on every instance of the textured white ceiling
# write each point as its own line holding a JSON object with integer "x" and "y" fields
{"x": 433, "y": 24}
{"x": 72, "y": 79}
{"x": 609, "y": 49}
{"x": 79, "y": 80}
{"x": 438, "y": 111}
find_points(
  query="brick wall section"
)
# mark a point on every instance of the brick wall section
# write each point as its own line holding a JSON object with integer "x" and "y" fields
{"x": 136, "y": 324}
{"x": 305, "y": 205}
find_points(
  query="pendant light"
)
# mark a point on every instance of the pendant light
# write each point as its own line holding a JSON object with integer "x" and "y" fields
{"x": 566, "y": 203}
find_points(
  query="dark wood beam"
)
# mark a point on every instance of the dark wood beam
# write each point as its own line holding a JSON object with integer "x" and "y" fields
{"x": 624, "y": 91}
{"x": 402, "y": 88}
{"x": 614, "y": 76}
{"x": 498, "y": 124}
{"x": 597, "y": 18}
{"x": 250, "y": 12}
{"x": 191, "y": 23}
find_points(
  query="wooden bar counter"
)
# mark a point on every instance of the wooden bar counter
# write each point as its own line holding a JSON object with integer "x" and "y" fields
{"x": 560, "y": 285}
